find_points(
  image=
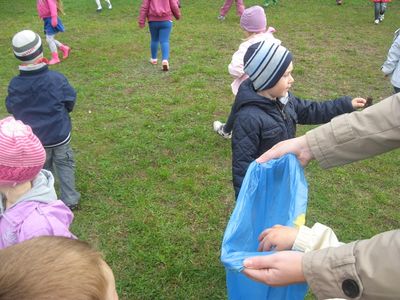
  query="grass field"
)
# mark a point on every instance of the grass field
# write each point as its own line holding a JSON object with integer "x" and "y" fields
{"x": 155, "y": 179}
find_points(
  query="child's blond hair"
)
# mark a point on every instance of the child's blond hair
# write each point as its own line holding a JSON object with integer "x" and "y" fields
{"x": 50, "y": 267}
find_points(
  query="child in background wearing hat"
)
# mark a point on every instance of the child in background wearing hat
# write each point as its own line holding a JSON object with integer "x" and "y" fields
{"x": 227, "y": 6}
{"x": 43, "y": 99}
{"x": 254, "y": 23}
{"x": 28, "y": 201}
{"x": 159, "y": 14}
{"x": 51, "y": 267}
{"x": 48, "y": 11}
{"x": 391, "y": 67}
{"x": 99, "y": 8}
{"x": 265, "y": 112}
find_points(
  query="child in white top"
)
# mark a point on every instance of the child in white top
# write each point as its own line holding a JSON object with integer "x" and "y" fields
{"x": 391, "y": 67}
{"x": 254, "y": 23}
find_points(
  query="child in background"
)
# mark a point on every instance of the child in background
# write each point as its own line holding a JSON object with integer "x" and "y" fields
{"x": 227, "y": 6}
{"x": 43, "y": 99}
{"x": 265, "y": 112}
{"x": 254, "y": 23}
{"x": 28, "y": 201}
{"x": 48, "y": 11}
{"x": 55, "y": 268}
{"x": 99, "y": 8}
{"x": 159, "y": 14}
{"x": 380, "y": 7}
{"x": 391, "y": 67}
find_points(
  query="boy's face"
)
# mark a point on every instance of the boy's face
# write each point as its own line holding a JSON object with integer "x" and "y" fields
{"x": 281, "y": 88}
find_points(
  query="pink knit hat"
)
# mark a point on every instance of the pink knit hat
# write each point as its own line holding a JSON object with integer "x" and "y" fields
{"x": 22, "y": 156}
{"x": 253, "y": 19}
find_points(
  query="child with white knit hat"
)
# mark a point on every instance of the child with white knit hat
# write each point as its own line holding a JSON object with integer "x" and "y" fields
{"x": 43, "y": 99}
{"x": 254, "y": 24}
{"x": 265, "y": 112}
{"x": 28, "y": 201}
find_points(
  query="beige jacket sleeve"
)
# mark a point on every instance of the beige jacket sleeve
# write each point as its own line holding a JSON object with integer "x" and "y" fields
{"x": 368, "y": 269}
{"x": 359, "y": 135}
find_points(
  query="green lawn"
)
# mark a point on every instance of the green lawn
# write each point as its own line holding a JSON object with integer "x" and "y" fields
{"x": 155, "y": 179}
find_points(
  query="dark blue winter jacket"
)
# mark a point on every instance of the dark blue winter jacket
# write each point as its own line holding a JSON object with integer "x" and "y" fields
{"x": 43, "y": 99}
{"x": 260, "y": 123}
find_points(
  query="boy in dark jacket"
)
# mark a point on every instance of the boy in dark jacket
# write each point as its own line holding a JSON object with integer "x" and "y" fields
{"x": 43, "y": 99}
{"x": 265, "y": 113}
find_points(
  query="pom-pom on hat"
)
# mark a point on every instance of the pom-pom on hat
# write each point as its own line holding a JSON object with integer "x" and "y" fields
{"x": 265, "y": 63}
{"x": 253, "y": 19}
{"x": 22, "y": 156}
{"x": 27, "y": 46}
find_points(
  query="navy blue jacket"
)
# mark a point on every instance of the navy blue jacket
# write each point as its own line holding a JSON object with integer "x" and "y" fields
{"x": 43, "y": 99}
{"x": 260, "y": 123}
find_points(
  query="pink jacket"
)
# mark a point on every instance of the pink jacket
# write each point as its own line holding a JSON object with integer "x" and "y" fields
{"x": 158, "y": 10}
{"x": 46, "y": 8}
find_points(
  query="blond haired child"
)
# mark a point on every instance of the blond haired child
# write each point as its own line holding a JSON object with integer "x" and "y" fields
{"x": 48, "y": 11}
{"x": 28, "y": 201}
{"x": 55, "y": 268}
{"x": 254, "y": 24}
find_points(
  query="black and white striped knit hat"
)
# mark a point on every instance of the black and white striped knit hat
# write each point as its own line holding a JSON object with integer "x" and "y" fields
{"x": 265, "y": 63}
{"x": 27, "y": 46}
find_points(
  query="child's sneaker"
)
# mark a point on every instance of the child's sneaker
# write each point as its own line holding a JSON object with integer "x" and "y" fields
{"x": 153, "y": 61}
{"x": 99, "y": 10}
{"x": 376, "y": 21}
{"x": 165, "y": 65}
{"x": 381, "y": 17}
{"x": 109, "y": 5}
{"x": 219, "y": 128}
{"x": 221, "y": 18}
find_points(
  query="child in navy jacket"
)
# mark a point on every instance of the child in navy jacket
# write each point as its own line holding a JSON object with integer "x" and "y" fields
{"x": 43, "y": 99}
{"x": 264, "y": 111}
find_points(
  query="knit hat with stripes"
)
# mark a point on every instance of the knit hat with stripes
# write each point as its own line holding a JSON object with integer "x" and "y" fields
{"x": 27, "y": 46}
{"x": 22, "y": 156}
{"x": 265, "y": 63}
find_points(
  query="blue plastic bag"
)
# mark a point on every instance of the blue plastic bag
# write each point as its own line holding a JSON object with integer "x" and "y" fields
{"x": 272, "y": 193}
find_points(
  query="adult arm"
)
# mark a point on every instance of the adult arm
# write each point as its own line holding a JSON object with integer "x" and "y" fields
{"x": 367, "y": 269}
{"x": 347, "y": 138}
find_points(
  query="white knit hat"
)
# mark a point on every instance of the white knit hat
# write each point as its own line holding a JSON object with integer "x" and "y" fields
{"x": 27, "y": 46}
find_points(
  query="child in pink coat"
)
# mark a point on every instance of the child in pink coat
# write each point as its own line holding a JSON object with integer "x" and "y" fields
{"x": 159, "y": 14}
{"x": 28, "y": 201}
{"x": 254, "y": 23}
{"x": 48, "y": 11}
{"x": 227, "y": 6}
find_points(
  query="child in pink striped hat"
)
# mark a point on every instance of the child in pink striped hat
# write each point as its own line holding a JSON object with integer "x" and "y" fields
{"x": 28, "y": 201}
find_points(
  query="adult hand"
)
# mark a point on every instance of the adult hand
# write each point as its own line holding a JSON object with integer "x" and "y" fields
{"x": 298, "y": 146}
{"x": 277, "y": 238}
{"x": 281, "y": 268}
{"x": 54, "y": 22}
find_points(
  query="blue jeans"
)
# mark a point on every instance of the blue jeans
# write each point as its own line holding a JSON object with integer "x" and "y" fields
{"x": 160, "y": 32}
{"x": 61, "y": 160}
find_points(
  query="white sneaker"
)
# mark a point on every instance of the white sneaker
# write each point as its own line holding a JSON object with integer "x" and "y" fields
{"x": 376, "y": 21}
{"x": 381, "y": 18}
{"x": 219, "y": 128}
{"x": 221, "y": 18}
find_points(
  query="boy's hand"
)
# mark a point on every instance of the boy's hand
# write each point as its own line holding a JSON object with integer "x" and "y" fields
{"x": 54, "y": 22}
{"x": 358, "y": 103}
{"x": 277, "y": 238}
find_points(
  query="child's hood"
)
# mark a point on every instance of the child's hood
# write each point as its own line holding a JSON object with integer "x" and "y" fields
{"x": 248, "y": 96}
{"x": 42, "y": 190}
